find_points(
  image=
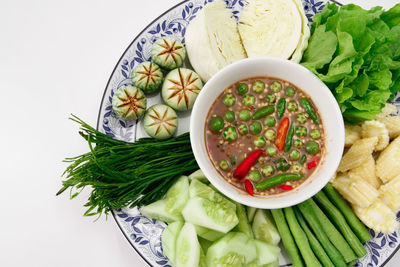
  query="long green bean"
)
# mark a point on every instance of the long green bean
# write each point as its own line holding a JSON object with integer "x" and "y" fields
{"x": 333, "y": 234}
{"x": 287, "y": 237}
{"x": 358, "y": 228}
{"x": 314, "y": 243}
{"x": 301, "y": 239}
{"x": 308, "y": 213}
{"x": 340, "y": 222}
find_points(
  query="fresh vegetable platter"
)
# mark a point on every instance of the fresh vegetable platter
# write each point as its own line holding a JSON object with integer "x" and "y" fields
{"x": 145, "y": 233}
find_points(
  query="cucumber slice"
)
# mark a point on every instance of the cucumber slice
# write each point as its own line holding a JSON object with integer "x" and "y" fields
{"x": 177, "y": 196}
{"x": 273, "y": 264}
{"x": 205, "y": 244}
{"x": 267, "y": 253}
{"x": 251, "y": 211}
{"x": 187, "y": 247}
{"x": 243, "y": 225}
{"x": 208, "y": 234}
{"x": 168, "y": 239}
{"x": 202, "y": 260}
{"x": 198, "y": 189}
{"x": 264, "y": 228}
{"x": 210, "y": 214}
{"x": 199, "y": 175}
{"x": 234, "y": 249}
{"x": 157, "y": 210}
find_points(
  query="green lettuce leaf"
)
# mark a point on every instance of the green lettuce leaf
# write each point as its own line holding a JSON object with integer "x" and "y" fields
{"x": 320, "y": 50}
{"x": 356, "y": 52}
{"x": 392, "y": 16}
{"x": 342, "y": 64}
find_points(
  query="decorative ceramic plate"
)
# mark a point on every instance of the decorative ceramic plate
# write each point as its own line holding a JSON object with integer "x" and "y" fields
{"x": 144, "y": 233}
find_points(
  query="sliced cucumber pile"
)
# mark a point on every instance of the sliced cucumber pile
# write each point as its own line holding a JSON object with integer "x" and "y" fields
{"x": 199, "y": 175}
{"x": 206, "y": 229}
{"x": 210, "y": 214}
{"x": 158, "y": 210}
{"x": 187, "y": 252}
{"x": 208, "y": 234}
{"x": 168, "y": 239}
{"x": 243, "y": 225}
{"x": 177, "y": 196}
{"x": 234, "y": 249}
{"x": 198, "y": 189}
{"x": 264, "y": 228}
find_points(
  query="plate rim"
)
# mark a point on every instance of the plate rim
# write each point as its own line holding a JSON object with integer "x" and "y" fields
{"x": 102, "y": 104}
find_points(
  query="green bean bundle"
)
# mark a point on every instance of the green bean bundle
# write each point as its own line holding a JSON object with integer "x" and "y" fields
{"x": 126, "y": 174}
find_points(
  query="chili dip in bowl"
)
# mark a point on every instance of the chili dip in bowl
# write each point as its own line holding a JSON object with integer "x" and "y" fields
{"x": 267, "y": 132}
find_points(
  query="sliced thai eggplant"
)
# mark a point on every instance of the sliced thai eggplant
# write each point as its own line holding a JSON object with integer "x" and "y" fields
{"x": 148, "y": 77}
{"x": 180, "y": 88}
{"x": 129, "y": 102}
{"x": 160, "y": 121}
{"x": 168, "y": 52}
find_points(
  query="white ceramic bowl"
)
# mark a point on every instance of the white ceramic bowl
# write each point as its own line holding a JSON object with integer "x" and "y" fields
{"x": 304, "y": 79}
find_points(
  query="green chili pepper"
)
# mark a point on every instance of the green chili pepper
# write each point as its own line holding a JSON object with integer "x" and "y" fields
{"x": 242, "y": 88}
{"x": 267, "y": 170}
{"x": 290, "y": 91}
{"x": 315, "y": 134}
{"x": 229, "y": 115}
{"x": 258, "y": 86}
{"x": 303, "y": 159}
{"x": 309, "y": 109}
{"x": 262, "y": 112}
{"x": 254, "y": 176}
{"x": 270, "y": 121}
{"x": 224, "y": 164}
{"x": 289, "y": 137}
{"x": 244, "y": 115}
{"x": 279, "y": 179}
{"x": 243, "y": 129}
{"x": 255, "y": 127}
{"x": 276, "y": 87}
{"x": 281, "y": 107}
{"x": 233, "y": 160}
{"x": 230, "y": 133}
{"x": 271, "y": 98}
{"x": 301, "y": 131}
{"x": 216, "y": 124}
{"x": 229, "y": 99}
{"x": 249, "y": 100}
{"x": 301, "y": 118}
{"x": 282, "y": 164}
{"x": 312, "y": 147}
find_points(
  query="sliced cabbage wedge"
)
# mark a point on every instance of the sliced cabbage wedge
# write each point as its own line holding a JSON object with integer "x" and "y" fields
{"x": 304, "y": 36}
{"x": 270, "y": 28}
{"x": 212, "y": 40}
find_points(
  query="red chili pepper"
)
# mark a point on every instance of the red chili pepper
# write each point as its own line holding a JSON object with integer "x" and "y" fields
{"x": 282, "y": 132}
{"x": 244, "y": 167}
{"x": 249, "y": 187}
{"x": 313, "y": 163}
{"x": 286, "y": 187}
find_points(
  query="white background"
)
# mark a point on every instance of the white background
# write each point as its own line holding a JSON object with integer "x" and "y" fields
{"x": 55, "y": 59}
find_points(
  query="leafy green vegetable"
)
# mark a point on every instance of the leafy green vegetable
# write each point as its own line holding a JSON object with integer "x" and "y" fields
{"x": 356, "y": 52}
{"x": 126, "y": 174}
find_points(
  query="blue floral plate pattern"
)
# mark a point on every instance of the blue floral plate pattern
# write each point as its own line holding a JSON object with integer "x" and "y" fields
{"x": 144, "y": 233}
